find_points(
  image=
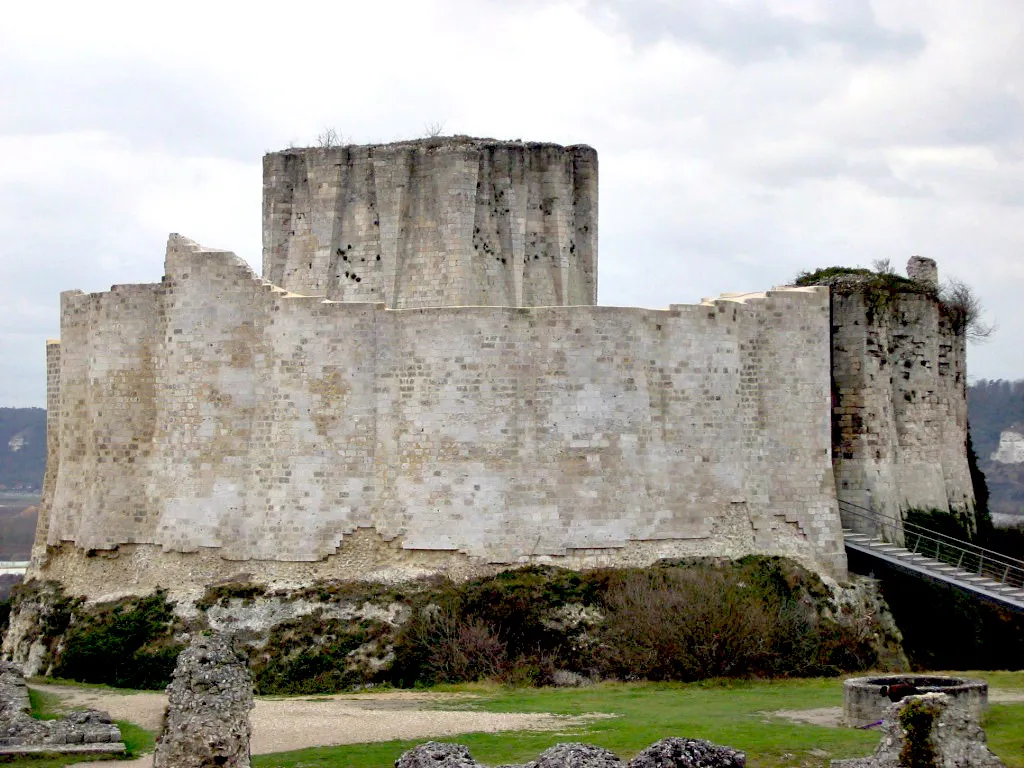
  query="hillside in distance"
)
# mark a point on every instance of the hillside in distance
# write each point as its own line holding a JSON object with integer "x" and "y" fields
{"x": 22, "y": 449}
{"x": 996, "y": 412}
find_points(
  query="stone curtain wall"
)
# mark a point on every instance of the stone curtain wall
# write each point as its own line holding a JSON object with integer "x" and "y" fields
{"x": 216, "y": 414}
{"x": 900, "y": 405}
{"x": 438, "y": 222}
{"x": 52, "y": 439}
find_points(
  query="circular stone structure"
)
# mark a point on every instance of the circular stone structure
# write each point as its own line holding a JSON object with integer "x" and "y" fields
{"x": 864, "y": 702}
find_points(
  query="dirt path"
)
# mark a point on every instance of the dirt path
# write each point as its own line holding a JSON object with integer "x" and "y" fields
{"x": 279, "y": 725}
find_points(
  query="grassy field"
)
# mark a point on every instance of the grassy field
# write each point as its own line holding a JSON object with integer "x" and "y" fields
{"x": 736, "y": 713}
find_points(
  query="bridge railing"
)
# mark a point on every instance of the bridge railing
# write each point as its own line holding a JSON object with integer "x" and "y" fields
{"x": 939, "y": 546}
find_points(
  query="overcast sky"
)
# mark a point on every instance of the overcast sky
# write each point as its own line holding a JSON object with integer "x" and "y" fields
{"x": 740, "y": 141}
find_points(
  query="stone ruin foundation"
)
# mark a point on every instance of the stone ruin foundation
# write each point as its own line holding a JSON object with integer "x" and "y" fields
{"x": 928, "y": 731}
{"x": 89, "y": 731}
{"x": 863, "y": 702}
{"x": 208, "y": 702}
{"x": 672, "y": 752}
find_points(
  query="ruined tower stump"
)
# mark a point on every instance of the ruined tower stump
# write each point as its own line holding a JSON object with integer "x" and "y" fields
{"x": 209, "y": 698}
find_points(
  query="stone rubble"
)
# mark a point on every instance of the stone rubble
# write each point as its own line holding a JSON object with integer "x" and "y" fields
{"x": 209, "y": 698}
{"x": 435, "y": 754}
{"x": 576, "y": 755}
{"x": 955, "y": 737}
{"x": 20, "y": 731}
{"x": 672, "y": 752}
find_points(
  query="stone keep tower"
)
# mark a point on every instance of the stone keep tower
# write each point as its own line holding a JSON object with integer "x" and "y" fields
{"x": 439, "y": 222}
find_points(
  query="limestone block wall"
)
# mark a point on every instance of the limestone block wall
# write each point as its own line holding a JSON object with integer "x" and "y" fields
{"x": 900, "y": 405}
{"x": 438, "y": 222}
{"x": 52, "y": 439}
{"x": 219, "y": 415}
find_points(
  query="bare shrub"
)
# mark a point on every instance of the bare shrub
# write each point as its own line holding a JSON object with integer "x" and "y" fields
{"x": 433, "y": 129}
{"x": 460, "y": 649}
{"x": 883, "y": 266}
{"x": 329, "y": 138}
{"x": 965, "y": 310}
{"x": 693, "y": 624}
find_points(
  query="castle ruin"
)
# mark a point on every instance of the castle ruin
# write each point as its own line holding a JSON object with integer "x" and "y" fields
{"x": 422, "y": 382}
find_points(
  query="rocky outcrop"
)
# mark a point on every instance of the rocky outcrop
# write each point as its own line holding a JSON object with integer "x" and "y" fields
{"x": 931, "y": 732}
{"x": 209, "y": 699}
{"x": 576, "y": 755}
{"x": 672, "y": 752}
{"x": 20, "y": 732}
{"x": 436, "y": 754}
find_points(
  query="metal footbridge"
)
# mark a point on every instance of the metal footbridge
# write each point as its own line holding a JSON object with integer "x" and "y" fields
{"x": 982, "y": 572}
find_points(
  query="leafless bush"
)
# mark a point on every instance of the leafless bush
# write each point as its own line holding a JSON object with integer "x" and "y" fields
{"x": 699, "y": 624}
{"x": 883, "y": 266}
{"x": 329, "y": 138}
{"x": 460, "y": 649}
{"x": 433, "y": 129}
{"x": 965, "y": 310}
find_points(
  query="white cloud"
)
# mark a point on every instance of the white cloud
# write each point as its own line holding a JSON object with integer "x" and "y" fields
{"x": 741, "y": 141}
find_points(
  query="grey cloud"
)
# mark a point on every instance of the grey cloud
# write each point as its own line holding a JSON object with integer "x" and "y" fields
{"x": 147, "y": 106}
{"x": 981, "y": 114}
{"x": 750, "y": 32}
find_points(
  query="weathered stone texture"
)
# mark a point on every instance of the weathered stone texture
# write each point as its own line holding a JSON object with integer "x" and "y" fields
{"x": 216, "y": 411}
{"x": 900, "y": 406}
{"x": 458, "y": 403}
{"x": 672, "y": 752}
{"x": 576, "y": 754}
{"x": 675, "y": 752}
{"x": 208, "y": 703}
{"x": 940, "y": 735}
{"x": 437, "y": 754}
{"x": 19, "y": 731}
{"x": 438, "y": 222}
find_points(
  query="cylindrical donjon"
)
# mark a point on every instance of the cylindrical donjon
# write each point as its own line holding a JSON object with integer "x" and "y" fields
{"x": 437, "y": 222}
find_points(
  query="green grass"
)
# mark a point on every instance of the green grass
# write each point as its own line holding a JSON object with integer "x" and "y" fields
{"x": 45, "y": 706}
{"x": 735, "y": 713}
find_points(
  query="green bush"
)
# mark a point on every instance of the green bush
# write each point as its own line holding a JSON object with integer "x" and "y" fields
{"x": 128, "y": 644}
{"x": 313, "y": 654}
{"x": 685, "y": 620}
{"x": 757, "y": 617}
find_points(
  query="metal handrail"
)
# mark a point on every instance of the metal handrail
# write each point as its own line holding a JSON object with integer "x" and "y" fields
{"x": 947, "y": 549}
{"x": 866, "y": 512}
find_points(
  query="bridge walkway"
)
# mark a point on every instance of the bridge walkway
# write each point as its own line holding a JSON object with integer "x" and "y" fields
{"x": 929, "y": 554}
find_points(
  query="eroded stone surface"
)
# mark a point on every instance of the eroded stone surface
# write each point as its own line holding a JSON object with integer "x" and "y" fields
{"x": 446, "y": 221}
{"x": 292, "y": 427}
{"x": 675, "y": 752}
{"x": 928, "y": 730}
{"x": 577, "y": 755}
{"x": 209, "y": 699}
{"x": 457, "y": 402}
{"x": 19, "y": 729}
{"x": 435, "y": 754}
